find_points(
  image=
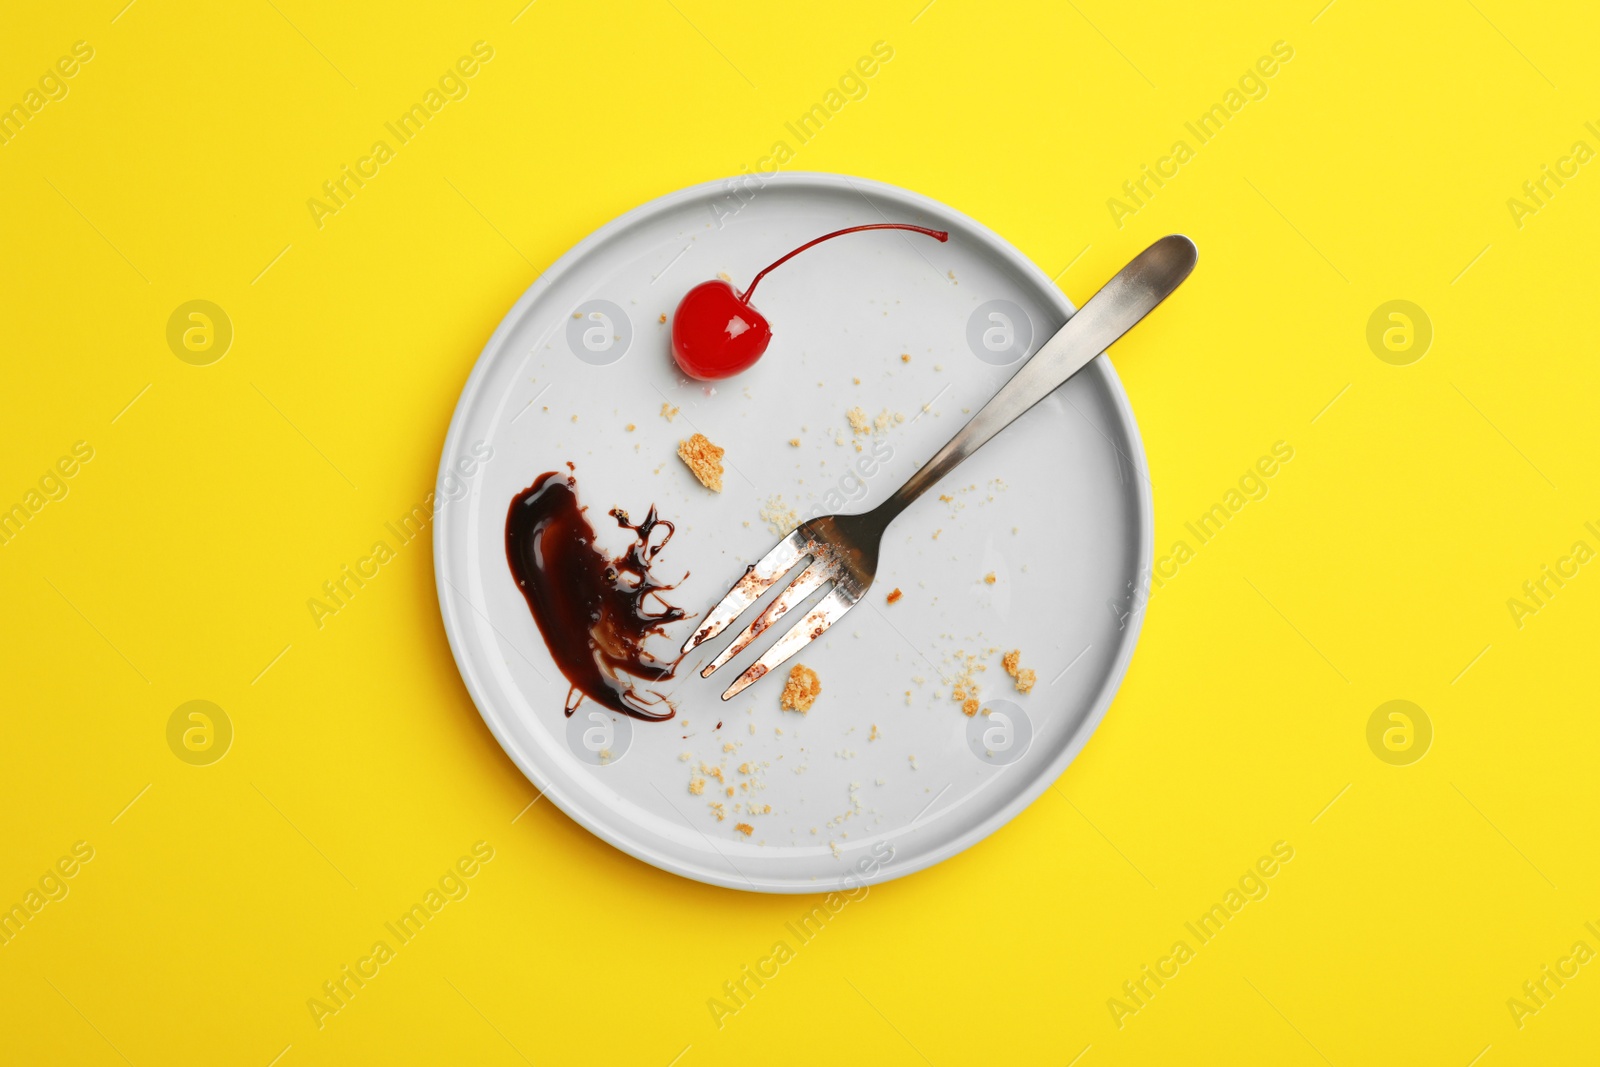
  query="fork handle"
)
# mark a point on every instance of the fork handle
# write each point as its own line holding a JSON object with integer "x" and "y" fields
{"x": 1135, "y": 291}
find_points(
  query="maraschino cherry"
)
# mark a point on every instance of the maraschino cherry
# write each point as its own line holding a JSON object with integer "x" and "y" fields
{"x": 715, "y": 331}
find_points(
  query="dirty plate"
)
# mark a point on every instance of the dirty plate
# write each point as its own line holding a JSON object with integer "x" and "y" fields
{"x": 1034, "y": 544}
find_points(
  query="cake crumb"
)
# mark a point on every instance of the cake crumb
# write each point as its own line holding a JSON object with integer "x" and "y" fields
{"x": 905, "y": 357}
{"x": 894, "y": 594}
{"x": 630, "y": 427}
{"x": 779, "y": 517}
{"x": 860, "y": 422}
{"x": 964, "y": 686}
{"x": 697, "y": 786}
{"x": 988, "y": 579}
{"x": 1025, "y": 676}
{"x": 873, "y": 736}
{"x": 663, "y": 318}
{"x": 794, "y": 442}
{"x": 704, "y": 459}
{"x": 744, "y": 828}
{"x": 668, "y": 411}
{"x": 801, "y": 690}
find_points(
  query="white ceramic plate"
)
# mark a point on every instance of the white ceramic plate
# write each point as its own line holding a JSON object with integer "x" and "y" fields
{"x": 873, "y": 783}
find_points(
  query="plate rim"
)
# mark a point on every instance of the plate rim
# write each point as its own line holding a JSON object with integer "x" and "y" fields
{"x": 846, "y": 879}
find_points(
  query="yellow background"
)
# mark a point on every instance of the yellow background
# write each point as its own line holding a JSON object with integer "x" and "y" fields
{"x": 1377, "y": 168}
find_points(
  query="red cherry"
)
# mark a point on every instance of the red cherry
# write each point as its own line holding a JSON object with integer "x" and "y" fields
{"x": 716, "y": 333}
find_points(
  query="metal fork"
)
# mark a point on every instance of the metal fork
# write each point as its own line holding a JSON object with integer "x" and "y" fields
{"x": 844, "y": 548}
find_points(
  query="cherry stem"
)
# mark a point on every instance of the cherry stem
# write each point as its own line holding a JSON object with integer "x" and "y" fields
{"x": 937, "y": 235}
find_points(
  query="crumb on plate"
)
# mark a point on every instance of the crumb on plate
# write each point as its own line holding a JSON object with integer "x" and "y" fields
{"x": 894, "y": 594}
{"x": 1025, "y": 676}
{"x": 779, "y": 517}
{"x": 704, "y": 459}
{"x": 801, "y": 690}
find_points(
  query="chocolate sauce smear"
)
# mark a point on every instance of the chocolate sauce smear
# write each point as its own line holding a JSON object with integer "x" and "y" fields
{"x": 590, "y": 607}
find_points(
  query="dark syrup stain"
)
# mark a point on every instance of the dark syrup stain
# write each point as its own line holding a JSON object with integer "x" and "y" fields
{"x": 590, "y": 607}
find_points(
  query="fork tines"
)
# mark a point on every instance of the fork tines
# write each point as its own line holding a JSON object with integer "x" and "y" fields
{"x": 825, "y": 566}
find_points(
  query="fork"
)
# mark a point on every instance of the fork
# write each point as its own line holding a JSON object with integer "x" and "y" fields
{"x": 843, "y": 549}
